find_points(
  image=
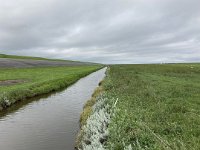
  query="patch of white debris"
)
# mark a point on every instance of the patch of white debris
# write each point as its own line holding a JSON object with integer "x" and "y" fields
{"x": 96, "y": 128}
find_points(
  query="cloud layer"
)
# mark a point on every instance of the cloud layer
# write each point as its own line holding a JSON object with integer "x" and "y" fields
{"x": 114, "y": 31}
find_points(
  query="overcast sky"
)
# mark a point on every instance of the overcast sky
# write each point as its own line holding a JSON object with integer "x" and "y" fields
{"x": 105, "y": 31}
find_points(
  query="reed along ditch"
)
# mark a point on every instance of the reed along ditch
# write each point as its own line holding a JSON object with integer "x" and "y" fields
{"x": 47, "y": 123}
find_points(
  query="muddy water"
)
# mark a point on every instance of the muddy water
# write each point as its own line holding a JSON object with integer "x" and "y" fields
{"x": 49, "y": 123}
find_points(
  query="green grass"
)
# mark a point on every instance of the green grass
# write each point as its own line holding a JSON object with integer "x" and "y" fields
{"x": 158, "y": 106}
{"x": 38, "y": 81}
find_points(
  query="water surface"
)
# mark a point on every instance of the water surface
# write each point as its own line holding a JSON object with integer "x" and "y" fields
{"x": 49, "y": 123}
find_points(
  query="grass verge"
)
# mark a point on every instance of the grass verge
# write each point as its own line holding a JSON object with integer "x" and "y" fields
{"x": 38, "y": 81}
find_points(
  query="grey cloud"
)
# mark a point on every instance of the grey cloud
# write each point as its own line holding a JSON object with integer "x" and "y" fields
{"x": 115, "y": 31}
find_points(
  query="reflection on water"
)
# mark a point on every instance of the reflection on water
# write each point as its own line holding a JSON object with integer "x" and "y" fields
{"x": 49, "y": 122}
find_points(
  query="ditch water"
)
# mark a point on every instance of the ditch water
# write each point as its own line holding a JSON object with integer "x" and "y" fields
{"x": 50, "y": 122}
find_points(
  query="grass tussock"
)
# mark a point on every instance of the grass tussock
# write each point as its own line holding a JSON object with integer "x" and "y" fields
{"x": 87, "y": 109}
{"x": 85, "y": 114}
{"x": 97, "y": 91}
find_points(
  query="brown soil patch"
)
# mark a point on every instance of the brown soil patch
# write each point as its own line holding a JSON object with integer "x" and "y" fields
{"x": 10, "y": 82}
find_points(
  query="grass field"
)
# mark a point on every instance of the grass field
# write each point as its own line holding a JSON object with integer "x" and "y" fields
{"x": 158, "y": 106}
{"x": 21, "y": 83}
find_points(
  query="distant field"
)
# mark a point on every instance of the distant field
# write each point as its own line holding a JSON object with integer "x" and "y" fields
{"x": 12, "y": 61}
{"x": 22, "y": 77}
{"x": 158, "y": 106}
{"x": 28, "y": 57}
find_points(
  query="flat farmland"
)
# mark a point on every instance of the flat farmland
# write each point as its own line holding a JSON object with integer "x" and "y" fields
{"x": 158, "y": 106}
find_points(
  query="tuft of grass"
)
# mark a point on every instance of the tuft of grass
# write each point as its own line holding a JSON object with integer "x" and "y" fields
{"x": 97, "y": 91}
{"x": 85, "y": 115}
{"x": 158, "y": 106}
{"x": 87, "y": 109}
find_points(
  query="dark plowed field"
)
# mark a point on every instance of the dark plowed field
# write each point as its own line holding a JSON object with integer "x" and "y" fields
{"x": 24, "y": 63}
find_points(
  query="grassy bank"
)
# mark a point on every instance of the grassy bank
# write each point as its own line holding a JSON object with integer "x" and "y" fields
{"x": 19, "y": 84}
{"x": 158, "y": 106}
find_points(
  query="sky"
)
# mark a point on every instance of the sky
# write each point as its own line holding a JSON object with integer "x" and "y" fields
{"x": 103, "y": 31}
